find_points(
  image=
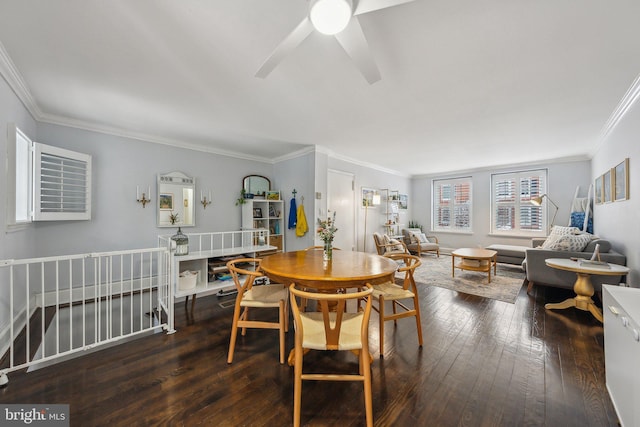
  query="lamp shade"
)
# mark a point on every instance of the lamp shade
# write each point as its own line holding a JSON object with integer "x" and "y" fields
{"x": 537, "y": 200}
{"x": 330, "y": 16}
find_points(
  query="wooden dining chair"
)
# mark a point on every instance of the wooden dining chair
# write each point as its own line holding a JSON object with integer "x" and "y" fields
{"x": 331, "y": 330}
{"x": 390, "y": 291}
{"x": 260, "y": 296}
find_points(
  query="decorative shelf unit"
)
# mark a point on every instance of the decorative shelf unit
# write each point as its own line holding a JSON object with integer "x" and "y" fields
{"x": 208, "y": 255}
{"x": 268, "y": 215}
{"x": 392, "y": 213}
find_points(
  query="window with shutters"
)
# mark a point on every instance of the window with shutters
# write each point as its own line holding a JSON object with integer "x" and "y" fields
{"x": 452, "y": 205}
{"x": 51, "y": 183}
{"x": 512, "y": 210}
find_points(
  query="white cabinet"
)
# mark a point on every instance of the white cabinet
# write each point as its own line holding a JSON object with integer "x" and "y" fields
{"x": 208, "y": 254}
{"x": 265, "y": 214}
{"x": 621, "y": 308}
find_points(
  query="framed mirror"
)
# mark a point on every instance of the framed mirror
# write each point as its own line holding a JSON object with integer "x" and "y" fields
{"x": 257, "y": 185}
{"x": 175, "y": 197}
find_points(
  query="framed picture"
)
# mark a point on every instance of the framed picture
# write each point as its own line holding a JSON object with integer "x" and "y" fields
{"x": 403, "y": 201}
{"x": 621, "y": 181}
{"x": 257, "y": 212}
{"x": 367, "y": 197}
{"x": 598, "y": 196}
{"x": 606, "y": 186}
{"x": 273, "y": 195}
{"x": 165, "y": 201}
{"x": 272, "y": 211}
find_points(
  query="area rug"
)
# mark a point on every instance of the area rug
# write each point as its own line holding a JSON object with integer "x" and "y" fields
{"x": 504, "y": 286}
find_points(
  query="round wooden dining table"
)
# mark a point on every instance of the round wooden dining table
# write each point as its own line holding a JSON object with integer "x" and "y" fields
{"x": 346, "y": 269}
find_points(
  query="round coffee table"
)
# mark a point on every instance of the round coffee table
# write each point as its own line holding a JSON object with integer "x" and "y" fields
{"x": 486, "y": 259}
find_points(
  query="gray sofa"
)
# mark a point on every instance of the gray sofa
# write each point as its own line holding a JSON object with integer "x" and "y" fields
{"x": 539, "y": 273}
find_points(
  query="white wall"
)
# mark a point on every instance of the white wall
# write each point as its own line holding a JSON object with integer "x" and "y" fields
{"x": 376, "y": 179}
{"x": 618, "y": 221}
{"x": 564, "y": 177}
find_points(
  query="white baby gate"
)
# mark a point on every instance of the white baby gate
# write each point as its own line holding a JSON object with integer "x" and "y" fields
{"x": 58, "y": 306}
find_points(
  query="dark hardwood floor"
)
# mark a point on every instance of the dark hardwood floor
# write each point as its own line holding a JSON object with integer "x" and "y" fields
{"x": 484, "y": 363}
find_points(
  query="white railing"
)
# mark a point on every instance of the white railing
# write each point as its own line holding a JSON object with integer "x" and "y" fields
{"x": 62, "y": 305}
{"x": 222, "y": 242}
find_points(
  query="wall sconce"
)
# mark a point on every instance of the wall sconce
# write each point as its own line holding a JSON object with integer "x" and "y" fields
{"x": 143, "y": 199}
{"x": 204, "y": 201}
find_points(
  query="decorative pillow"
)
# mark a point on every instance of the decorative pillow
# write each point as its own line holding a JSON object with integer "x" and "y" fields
{"x": 423, "y": 238}
{"x": 568, "y": 243}
{"x": 562, "y": 231}
{"x": 397, "y": 247}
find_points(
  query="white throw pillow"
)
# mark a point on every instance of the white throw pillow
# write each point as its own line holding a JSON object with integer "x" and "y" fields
{"x": 423, "y": 238}
{"x": 568, "y": 242}
{"x": 559, "y": 230}
{"x": 397, "y": 247}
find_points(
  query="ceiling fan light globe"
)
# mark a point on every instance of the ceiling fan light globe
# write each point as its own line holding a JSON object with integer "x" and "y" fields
{"x": 330, "y": 16}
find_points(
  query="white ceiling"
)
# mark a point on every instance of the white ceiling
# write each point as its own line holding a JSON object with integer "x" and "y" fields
{"x": 465, "y": 83}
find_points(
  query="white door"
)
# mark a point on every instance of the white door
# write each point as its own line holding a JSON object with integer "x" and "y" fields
{"x": 341, "y": 200}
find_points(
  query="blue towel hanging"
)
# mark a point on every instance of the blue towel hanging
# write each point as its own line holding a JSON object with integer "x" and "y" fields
{"x": 293, "y": 212}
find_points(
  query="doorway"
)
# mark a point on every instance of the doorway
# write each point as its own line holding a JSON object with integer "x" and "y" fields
{"x": 341, "y": 200}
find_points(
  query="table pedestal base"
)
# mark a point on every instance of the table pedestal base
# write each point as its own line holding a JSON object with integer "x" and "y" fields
{"x": 584, "y": 291}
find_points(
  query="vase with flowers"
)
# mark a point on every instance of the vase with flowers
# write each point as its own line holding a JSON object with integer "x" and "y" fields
{"x": 326, "y": 231}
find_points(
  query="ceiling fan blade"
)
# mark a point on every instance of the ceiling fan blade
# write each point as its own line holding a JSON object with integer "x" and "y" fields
{"x": 365, "y": 6}
{"x": 355, "y": 44}
{"x": 285, "y": 47}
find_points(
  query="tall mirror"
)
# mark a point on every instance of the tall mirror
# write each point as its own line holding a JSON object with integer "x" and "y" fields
{"x": 257, "y": 185}
{"x": 176, "y": 198}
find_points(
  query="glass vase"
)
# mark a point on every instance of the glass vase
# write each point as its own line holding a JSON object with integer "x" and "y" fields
{"x": 327, "y": 252}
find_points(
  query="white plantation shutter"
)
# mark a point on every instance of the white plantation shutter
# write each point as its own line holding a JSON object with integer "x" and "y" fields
{"x": 452, "y": 205}
{"x": 62, "y": 184}
{"x": 513, "y": 212}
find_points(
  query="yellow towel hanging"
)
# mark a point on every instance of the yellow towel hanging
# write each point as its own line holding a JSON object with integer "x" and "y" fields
{"x": 301, "y": 224}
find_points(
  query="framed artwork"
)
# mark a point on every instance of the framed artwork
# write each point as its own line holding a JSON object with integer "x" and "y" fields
{"x": 606, "y": 186}
{"x": 403, "y": 201}
{"x": 257, "y": 212}
{"x": 367, "y": 197}
{"x": 598, "y": 196}
{"x": 273, "y": 195}
{"x": 272, "y": 211}
{"x": 621, "y": 181}
{"x": 165, "y": 201}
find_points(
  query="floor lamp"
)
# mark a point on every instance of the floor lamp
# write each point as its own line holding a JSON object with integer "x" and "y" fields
{"x": 375, "y": 201}
{"x": 537, "y": 201}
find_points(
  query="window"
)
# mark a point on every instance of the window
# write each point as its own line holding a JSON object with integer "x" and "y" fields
{"x": 452, "y": 205}
{"x": 513, "y": 212}
{"x": 51, "y": 184}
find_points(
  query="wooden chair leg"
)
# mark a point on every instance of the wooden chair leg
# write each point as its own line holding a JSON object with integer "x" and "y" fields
{"x": 416, "y": 306}
{"x": 381, "y": 327}
{"x": 529, "y": 286}
{"x": 297, "y": 386}
{"x": 234, "y": 334}
{"x": 281, "y": 314}
{"x": 366, "y": 372}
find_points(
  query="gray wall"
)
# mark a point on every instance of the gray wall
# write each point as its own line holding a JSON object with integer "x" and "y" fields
{"x": 119, "y": 164}
{"x": 564, "y": 178}
{"x": 618, "y": 221}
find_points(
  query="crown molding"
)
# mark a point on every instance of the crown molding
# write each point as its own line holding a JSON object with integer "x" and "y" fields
{"x": 347, "y": 159}
{"x": 108, "y": 130}
{"x": 15, "y": 81}
{"x": 512, "y": 166}
{"x": 295, "y": 154}
{"x": 625, "y": 104}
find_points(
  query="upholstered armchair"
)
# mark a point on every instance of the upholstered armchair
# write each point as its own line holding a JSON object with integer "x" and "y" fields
{"x": 387, "y": 246}
{"x": 417, "y": 242}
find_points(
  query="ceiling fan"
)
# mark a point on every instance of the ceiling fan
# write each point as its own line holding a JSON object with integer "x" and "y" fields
{"x": 340, "y": 19}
